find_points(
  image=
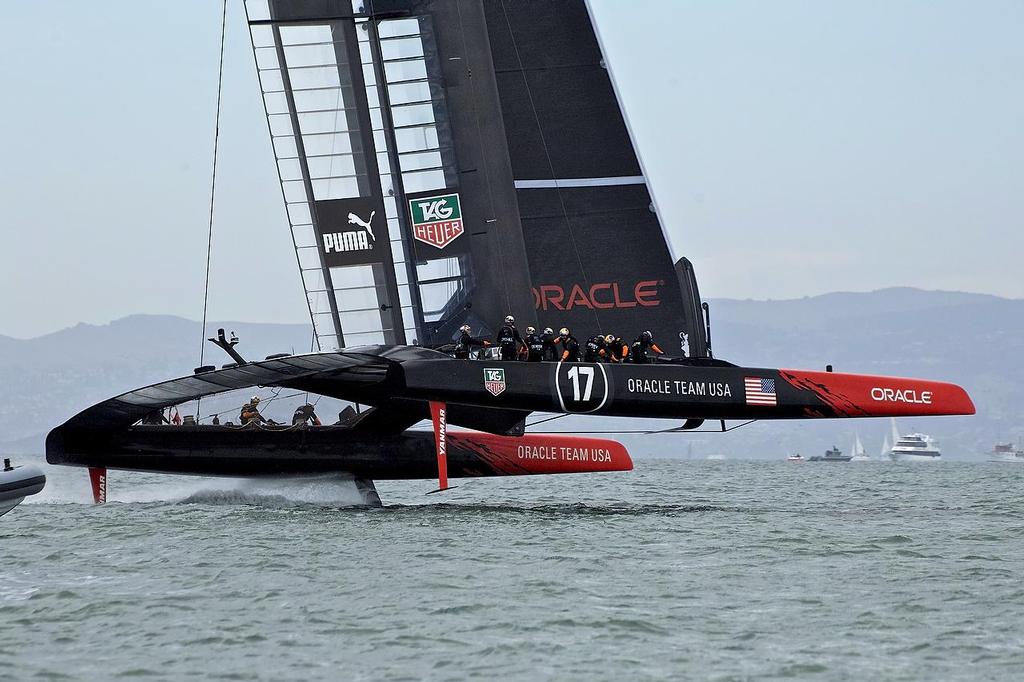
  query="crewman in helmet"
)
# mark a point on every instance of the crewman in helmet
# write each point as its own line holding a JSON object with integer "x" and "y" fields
{"x": 509, "y": 339}
{"x": 305, "y": 414}
{"x": 466, "y": 343}
{"x": 595, "y": 349}
{"x": 643, "y": 345}
{"x": 535, "y": 345}
{"x": 250, "y": 412}
{"x": 550, "y": 348}
{"x": 618, "y": 350}
{"x": 570, "y": 346}
{"x": 156, "y": 417}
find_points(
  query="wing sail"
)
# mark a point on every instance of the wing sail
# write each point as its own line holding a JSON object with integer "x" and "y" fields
{"x": 451, "y": 161}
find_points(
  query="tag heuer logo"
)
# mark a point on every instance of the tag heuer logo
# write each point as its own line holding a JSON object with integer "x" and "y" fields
{"x": 494, "y": 381}
{"x": 436, "y": 220}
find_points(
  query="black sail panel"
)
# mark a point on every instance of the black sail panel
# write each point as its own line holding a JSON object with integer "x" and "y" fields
{"x": 598, "y": 254}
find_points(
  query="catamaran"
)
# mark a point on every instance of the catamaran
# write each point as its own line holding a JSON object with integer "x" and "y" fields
{"x": 448, "y": 163}
{"x": 913, "y": 447}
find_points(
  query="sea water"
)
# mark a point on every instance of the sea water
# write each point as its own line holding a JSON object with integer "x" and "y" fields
{"x": 684, "y": 570}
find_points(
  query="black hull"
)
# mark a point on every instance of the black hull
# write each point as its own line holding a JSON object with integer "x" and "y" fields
{"x": 278, "y": 451}
{"x": 236, "y": 451}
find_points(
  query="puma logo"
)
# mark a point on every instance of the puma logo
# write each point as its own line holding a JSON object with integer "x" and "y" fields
{"x": 353, "y": 219}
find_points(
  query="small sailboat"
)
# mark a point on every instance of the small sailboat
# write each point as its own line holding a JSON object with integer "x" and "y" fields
{"x": 857, "y": 453}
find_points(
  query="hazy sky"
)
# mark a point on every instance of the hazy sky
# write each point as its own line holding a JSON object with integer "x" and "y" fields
{"x": 795, "y": 148}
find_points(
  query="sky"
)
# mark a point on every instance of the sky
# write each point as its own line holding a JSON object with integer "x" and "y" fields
{"x": 794, "y": 148}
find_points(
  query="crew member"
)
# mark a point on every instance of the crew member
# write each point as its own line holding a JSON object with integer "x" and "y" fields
{"x": 154, "y": 418}
{"x": 570, "y": 346}
{"x": 304, "y": 414}
{"x": 535, "y": 345}
{"x": 618, "y": 350}
{"x": 550, "y": 348}
{"x": 595, "y": 350}
{"x": 642, "y": 346}
{"x": 250, "y": 412}
{"x": 466, "y": 343}
{"x": 509, "y": 339}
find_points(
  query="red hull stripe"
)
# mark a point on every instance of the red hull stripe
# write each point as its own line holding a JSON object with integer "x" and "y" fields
{"x": 863, "y": 395}
{"x": 544, "y": 454}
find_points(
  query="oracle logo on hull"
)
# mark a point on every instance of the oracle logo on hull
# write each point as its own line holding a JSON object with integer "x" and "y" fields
{"x": 906, "y": 395}
{"x": 601, "y": 296}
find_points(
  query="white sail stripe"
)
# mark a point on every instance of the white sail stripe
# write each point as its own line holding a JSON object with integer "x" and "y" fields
{"x": 581, "y": 182}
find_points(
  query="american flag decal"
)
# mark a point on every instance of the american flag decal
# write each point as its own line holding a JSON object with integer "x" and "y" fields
{"x": 759, "y": 391}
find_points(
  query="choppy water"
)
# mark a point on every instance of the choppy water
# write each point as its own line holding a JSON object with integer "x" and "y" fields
{"x": 704, "y": 570}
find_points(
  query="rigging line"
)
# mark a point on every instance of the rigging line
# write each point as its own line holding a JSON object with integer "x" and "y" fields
{"x": 547, "y": 155}
{"x": 268, "y": 401}
{"x": 547, "y": 419}
{"x": 581, "y": 433}
{"x": 672, "y": 431}
{"x": 312, "y": 343}
{"x": 213, "y": 187}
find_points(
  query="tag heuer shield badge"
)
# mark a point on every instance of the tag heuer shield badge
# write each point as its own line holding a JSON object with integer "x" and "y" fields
{"x": 494, "y": 381}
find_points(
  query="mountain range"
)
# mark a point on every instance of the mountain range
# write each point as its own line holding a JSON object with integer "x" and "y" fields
{"x": 975, "y": 340}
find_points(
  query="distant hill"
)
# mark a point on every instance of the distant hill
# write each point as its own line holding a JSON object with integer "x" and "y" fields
{"x": 972, "y": 339}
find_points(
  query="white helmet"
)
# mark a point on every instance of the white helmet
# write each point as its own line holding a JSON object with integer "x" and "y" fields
{"x": 549, "y": 330}
{"x": 254, "y": 399}
{"x": 509, "y": 319}
{"x": 531, "y": 330}
{"x": 564, "y": 331}
{"x": 465, "y": 328}
{"x": 648, "y": 335}
{"x": 609, "y": 338}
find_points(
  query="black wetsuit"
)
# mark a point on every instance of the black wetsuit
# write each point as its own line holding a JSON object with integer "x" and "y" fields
{"x": 595, "y": 349}
{"x": 305, "y": 415}
{"x": 509, "y": 341}
{"x": 155, "y": 417}
{"x": 640, "y": 348}
{"x": 536, "y": 346}
{"x": 466, "y": 344}
{"x": 250, "y": 414}
{"x": 618, "y": 350}
{"x": 570, "y": 349}
{"x": 551, "y": 353}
